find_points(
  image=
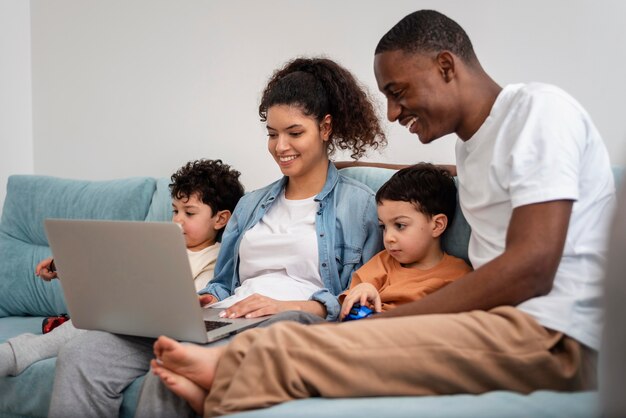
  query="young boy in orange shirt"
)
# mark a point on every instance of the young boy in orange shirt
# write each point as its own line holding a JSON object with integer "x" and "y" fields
{"x": 414, "y": 209}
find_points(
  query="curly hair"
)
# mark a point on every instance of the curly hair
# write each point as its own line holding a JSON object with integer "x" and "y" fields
{"x": 430, "y": 188}
{"x": 215, "y": 183}
{"x": 320, "y": 87}
{"x": 428, "y": 31}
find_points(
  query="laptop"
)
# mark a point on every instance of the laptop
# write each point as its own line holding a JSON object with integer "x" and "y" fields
{"x": 133, "y": 278}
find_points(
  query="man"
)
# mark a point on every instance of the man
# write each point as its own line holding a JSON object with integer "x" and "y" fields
{"x": 535, "y": 186}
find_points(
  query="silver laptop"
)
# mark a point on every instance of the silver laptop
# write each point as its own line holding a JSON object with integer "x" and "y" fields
{"x": 133, "y": 278}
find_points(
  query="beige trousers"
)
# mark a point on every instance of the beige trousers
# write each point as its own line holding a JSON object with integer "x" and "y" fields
{"x": 474, "y": 352}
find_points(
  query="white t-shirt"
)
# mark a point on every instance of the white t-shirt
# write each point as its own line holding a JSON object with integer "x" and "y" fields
{"x": 537, "y": 145}
{"x": 278, "y": 256}
{"x": 203, "y": 264}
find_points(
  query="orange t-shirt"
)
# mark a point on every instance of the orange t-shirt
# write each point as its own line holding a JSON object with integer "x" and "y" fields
{"x": 397, "y": 285}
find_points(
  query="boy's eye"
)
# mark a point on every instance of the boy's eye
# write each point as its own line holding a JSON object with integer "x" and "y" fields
{"x": 189, "y": 213}
{"x": 175, "y": 211}
{"x": 400, "y": 226}
{"x": 381, "y": 226}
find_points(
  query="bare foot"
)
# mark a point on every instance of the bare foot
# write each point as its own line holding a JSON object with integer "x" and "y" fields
{"x": 181, "y": 386}
{"x": 196, "y": 363}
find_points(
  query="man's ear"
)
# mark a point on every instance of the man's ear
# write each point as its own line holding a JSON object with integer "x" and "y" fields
{"x": 439, "y": 224}
{"x": 223, "y": 216}
{"x": 326, "y": 127}
{"x": 446, "y": 61}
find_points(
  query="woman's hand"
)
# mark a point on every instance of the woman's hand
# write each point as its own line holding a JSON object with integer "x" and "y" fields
{"x": 46, "y": 270}
{"x": 363, "y": 293}
{"x": 258, "y": 305}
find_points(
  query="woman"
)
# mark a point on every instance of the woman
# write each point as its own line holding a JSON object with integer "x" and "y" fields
{"x": 292, "y": 245}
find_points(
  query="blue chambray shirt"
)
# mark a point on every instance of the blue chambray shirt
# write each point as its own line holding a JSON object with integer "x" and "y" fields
{"x": 347, "y": 236}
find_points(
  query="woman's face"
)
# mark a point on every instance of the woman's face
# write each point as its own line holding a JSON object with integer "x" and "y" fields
{"x": 297, "y": 142}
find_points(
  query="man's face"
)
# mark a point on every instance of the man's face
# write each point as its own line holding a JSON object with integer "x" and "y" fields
{"x": 419, "y": 94}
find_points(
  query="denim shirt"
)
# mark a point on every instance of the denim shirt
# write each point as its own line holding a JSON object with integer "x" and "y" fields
{"x": 347, "y": 236}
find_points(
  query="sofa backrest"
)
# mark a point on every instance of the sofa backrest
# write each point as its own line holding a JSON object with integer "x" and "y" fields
{"x": 29, "y": 200}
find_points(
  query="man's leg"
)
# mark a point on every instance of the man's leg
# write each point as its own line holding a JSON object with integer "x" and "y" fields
{"x": 156, "y": 399}
{"x": 93, "y": 369}
{"x": 421, "y": 355}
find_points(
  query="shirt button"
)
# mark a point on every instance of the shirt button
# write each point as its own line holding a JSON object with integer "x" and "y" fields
{"x": 319, "y": 213}
{"x": 323, "y": 264}
{"x": 321, "y": 235}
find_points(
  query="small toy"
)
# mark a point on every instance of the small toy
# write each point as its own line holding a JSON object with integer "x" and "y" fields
{"x": 358, "y": 312}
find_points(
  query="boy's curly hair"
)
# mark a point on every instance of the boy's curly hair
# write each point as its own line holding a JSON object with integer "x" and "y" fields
{"x": 215, "y": 183}
{"x": 430, "y": 188}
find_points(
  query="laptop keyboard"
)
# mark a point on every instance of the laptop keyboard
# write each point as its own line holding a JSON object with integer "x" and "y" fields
{"x": 211, "y": 325}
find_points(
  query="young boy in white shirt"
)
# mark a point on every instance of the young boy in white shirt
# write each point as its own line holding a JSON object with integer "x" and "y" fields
{"x": 204, "y": 195}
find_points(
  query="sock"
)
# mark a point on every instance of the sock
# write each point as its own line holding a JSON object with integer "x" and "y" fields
{"x": 29, "y": 348}
{"x": 8, "y": 364}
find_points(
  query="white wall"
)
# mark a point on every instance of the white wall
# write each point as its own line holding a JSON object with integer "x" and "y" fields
{"x": 16, "y": 140}
{"x": 139, "y": 87}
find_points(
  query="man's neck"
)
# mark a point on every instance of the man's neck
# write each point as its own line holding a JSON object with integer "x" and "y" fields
{"x": 481, "y": 96}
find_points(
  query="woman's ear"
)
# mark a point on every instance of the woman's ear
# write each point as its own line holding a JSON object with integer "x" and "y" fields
{"x": 223, "y": 216}
{"x": 326, "y": 127}
{"x": 439, "y": 224}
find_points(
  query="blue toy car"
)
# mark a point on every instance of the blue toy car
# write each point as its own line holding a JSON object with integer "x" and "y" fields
{"x": 358, "y": 312}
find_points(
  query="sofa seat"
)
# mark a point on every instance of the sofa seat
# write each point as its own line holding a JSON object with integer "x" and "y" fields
{"x": 497, "y": 404}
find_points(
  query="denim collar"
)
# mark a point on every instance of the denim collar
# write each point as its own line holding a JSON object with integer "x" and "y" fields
{"x": 332, "y": 177}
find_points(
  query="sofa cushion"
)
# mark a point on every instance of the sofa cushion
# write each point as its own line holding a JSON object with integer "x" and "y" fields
{"x": 23, "y": 243}
{"x": 161, "y": 205}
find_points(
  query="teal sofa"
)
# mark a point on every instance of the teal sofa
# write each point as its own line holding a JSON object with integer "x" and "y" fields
{"x": 26, "y": 299}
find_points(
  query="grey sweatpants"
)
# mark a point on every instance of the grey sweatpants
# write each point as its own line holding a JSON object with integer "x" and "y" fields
{"x": 94, "y": 368}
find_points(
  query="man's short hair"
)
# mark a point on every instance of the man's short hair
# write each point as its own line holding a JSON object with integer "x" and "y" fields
{"x": 430, "y": 188}
{"x": 428, "y": 31}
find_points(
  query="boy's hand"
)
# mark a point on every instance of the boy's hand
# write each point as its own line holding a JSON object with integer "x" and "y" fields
{"x": 46, "y": 270}
{"x": 363, "y": 293}
{"x": 206, "y": 299}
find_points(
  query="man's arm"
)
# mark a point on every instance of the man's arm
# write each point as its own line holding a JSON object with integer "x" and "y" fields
{"x": 345, "y": 164}
{"x": 534, "y": 247}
